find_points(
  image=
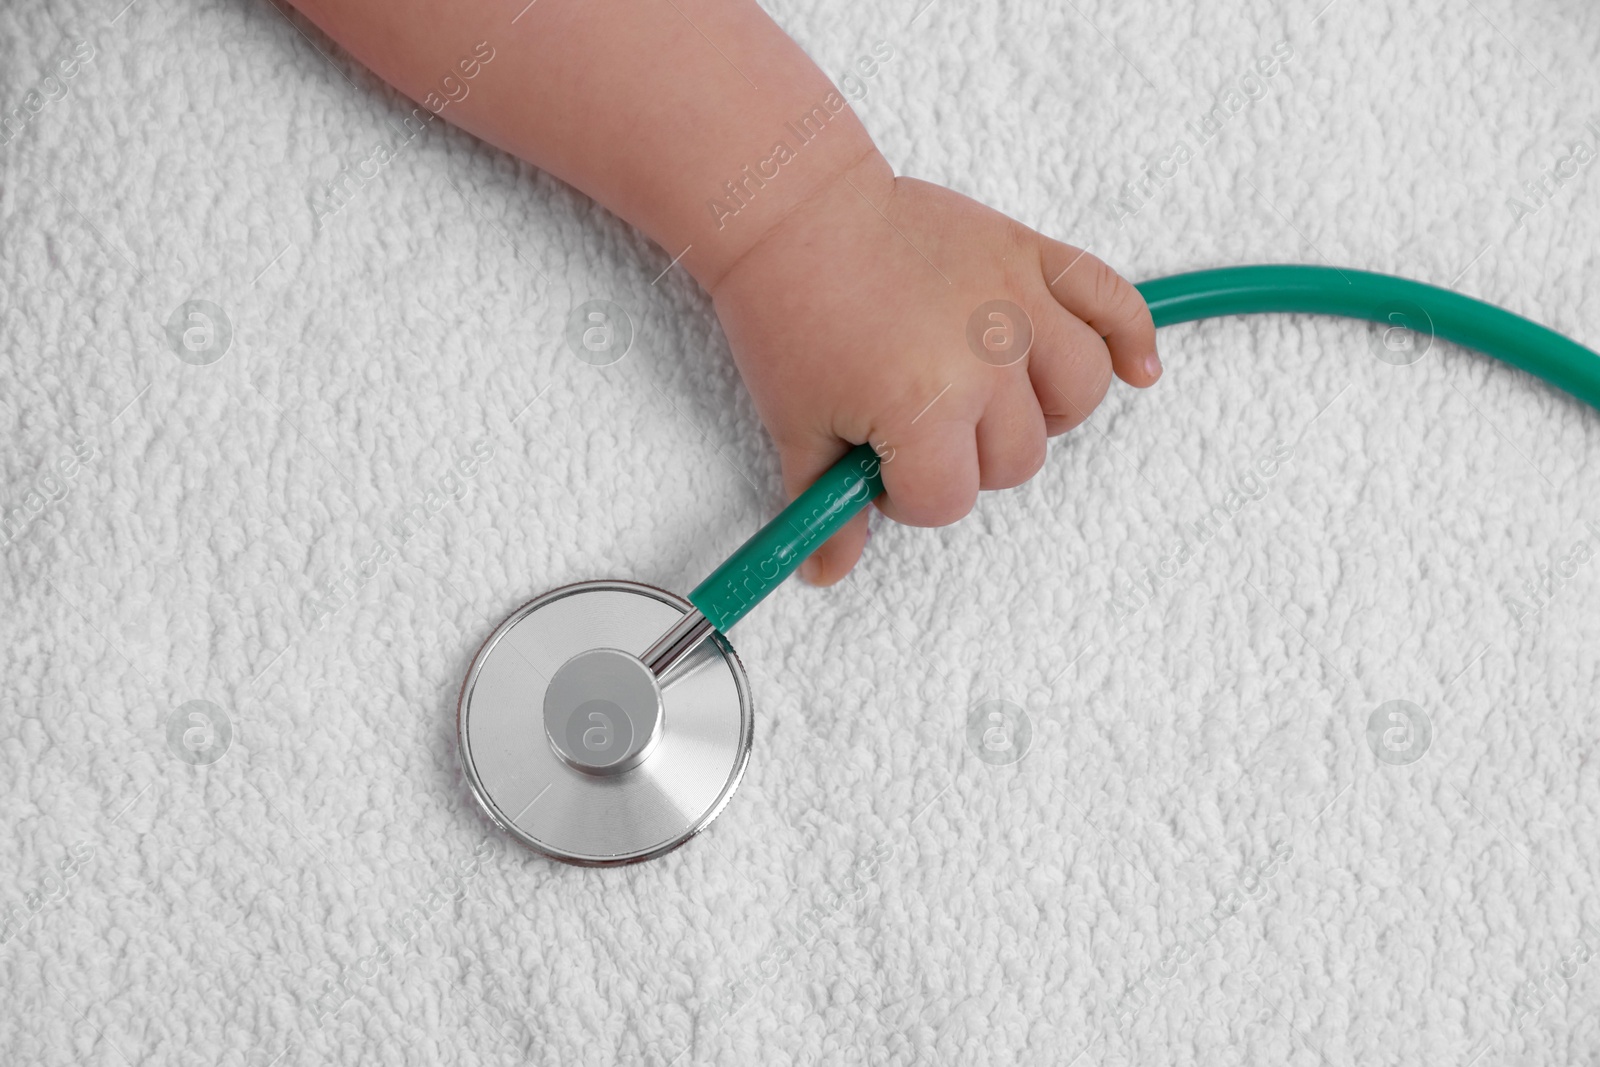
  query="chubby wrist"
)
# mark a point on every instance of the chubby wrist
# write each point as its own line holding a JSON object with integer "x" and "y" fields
{"x": 784, "y": 166}
{"x": 827, "y": 192}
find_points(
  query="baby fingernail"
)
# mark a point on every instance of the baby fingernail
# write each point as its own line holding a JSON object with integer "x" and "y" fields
{"x": 1152, "y": 365}
{"x": 810, "y": 570}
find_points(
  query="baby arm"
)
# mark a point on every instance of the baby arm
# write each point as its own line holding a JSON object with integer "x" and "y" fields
{"x": 846, "y": 292}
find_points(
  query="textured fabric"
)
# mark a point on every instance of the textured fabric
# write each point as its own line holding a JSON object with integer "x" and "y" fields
{"x": 291, "y": 422}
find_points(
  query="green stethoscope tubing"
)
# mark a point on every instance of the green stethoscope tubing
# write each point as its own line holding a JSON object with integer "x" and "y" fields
{"x": 777, "y": 549}
{"x": 1382, "y": 298}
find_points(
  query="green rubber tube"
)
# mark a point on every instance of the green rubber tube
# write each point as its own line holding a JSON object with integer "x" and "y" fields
{"x": 763, "y": 562}
{"x": 1382, "y": 298}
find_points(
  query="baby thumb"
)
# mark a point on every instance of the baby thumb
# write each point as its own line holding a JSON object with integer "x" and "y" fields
{"x": 802, "y": 465}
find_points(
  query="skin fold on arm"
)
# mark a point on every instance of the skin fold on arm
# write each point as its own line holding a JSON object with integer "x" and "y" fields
{"x": 845, "y": 291}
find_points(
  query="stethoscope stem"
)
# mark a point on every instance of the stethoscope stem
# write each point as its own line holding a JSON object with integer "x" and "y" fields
{"x": 762, "y": 563}
{"x": 684, "y": 637}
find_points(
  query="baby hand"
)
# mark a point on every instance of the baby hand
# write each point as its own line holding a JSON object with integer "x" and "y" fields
{"x": 860, "y": 317}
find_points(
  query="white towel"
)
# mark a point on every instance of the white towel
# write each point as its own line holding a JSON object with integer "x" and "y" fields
{"x": 377, "y": 443}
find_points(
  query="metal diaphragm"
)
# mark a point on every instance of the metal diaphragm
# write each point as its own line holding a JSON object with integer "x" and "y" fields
{"x": 548, "y": 780}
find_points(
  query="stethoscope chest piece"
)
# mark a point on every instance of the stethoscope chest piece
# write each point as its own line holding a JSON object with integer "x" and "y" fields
{"x": 571, "y": 744}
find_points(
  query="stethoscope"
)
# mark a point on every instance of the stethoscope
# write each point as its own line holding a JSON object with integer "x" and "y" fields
{"x": 607, "y": 722}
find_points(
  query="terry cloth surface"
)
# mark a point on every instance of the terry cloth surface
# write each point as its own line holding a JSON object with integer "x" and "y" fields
{"x": 1198, "y": 606}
